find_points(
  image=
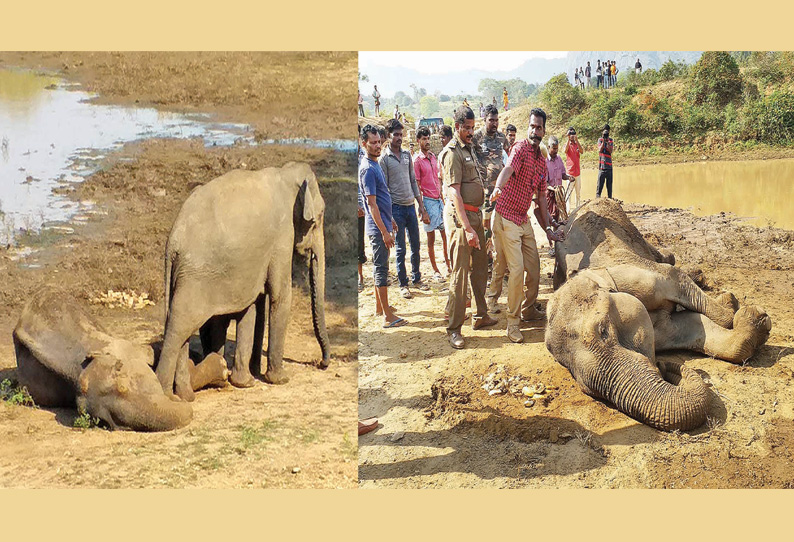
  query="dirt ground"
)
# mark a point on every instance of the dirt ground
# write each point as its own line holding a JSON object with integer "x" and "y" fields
{"x": 297, "y": 435}
{"x": 440, "y": 428}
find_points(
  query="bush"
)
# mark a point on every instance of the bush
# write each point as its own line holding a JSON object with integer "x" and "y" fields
{"x": 715, "y": 79}
{"x": 627, "y": 121}
{"x": 775, "y": 118}
{"x": 562, "y": 100}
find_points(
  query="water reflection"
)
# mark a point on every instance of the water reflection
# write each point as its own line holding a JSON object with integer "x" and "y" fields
{"x": 50, "y": 135}
{"x": 760, "y": 190}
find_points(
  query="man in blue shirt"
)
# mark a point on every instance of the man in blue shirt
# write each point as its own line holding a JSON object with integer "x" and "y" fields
{"x": 379, "y": 224}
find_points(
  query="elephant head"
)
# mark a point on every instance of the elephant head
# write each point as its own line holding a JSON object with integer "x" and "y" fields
{"x": 127, "y": 394}
{"x": 309, "y": 222}
{"x": 605, "y": 339}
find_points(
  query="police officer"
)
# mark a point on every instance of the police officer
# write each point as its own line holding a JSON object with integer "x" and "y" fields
{"x": 467, "y": 240}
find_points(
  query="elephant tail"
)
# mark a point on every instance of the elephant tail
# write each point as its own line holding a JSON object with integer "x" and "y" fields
{"x": 169, "y": 287}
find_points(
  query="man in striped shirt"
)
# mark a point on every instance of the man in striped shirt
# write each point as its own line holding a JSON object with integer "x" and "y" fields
{"x": 523, "y": 177}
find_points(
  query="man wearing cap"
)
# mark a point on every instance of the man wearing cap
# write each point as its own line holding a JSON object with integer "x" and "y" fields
{"x": 466, "y": 191}
{"x": 523, "y": 177}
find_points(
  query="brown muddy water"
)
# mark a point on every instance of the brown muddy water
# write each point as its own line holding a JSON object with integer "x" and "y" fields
{"x": 759, "y": 190}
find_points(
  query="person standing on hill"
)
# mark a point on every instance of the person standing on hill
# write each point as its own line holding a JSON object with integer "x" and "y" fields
{"x": 638, "y": 67}
{"x": 605, "y": 146}
{"x": 504, "y": 98}
{"x": 360, "y": 104}
{"x": 573, "y": 152}
{"x": 376, "y": 95}
{"x": 398, "y": 169}
{"x": 464, "y": 188}
{"x": 426, "y": 169}
{"x": 396, "y": 112}
{"x": 587, "y": 74}
{"x": 599, "y": 75}
{"x": 576, "y": 76}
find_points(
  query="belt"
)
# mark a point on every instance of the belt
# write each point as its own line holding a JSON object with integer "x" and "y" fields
{"x": 472, "y": 208}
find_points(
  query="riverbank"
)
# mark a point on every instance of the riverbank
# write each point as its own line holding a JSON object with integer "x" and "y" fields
{"x": 284, "y": 95}
{"x": 297, "y": 435}
{"x": 440, "y": 428}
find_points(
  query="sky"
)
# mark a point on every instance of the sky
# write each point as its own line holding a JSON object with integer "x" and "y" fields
{"x": 450, "y": 61}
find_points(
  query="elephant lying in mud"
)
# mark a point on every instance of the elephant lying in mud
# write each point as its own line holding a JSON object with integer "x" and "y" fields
{"x": 619, "y": 301}
{"x": 230, "y": 248}
{"x": 66, "y": 359}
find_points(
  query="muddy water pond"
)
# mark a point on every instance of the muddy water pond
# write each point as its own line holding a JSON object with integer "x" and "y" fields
{"x": 759, "y": 190}
{"x": 52, "y": 134}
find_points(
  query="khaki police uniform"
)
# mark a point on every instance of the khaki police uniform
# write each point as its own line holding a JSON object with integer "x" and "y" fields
{"x": 459, "y": 166}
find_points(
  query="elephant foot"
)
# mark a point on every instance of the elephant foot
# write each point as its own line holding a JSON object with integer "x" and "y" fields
{"x": 184, "y": 390}
{"x": 727, "y": 299}
{"x": 751, "y": 327}
{"x": 324, "y": 363}
{"x": 212, "y": 371}
{"x": 242, "y": 379}
{"x": 276, "y": 376}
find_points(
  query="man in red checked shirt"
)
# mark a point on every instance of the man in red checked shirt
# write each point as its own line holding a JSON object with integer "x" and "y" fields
{"x": 523, "y": 178}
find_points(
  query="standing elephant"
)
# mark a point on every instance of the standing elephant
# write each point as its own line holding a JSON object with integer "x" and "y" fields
{"x": 230, "y": 248}
{"x": 620, "y": 301}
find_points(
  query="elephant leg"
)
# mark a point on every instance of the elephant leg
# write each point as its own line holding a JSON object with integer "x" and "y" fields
{"x": 213, "y": 334}
{"x": 183, "y": 320}
{"x": 693, "y": 331}
{"x": 280, "y": 302}
{"x": 183, "y": 386}
{"x": 662, "y": 286}
{"x": 241, "y": 374}
{"x": 259, "y": 335}
{"x": 212, "y": 371}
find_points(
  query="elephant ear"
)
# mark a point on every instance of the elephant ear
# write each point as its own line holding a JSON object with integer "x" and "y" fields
{"x": 310, "y": 210}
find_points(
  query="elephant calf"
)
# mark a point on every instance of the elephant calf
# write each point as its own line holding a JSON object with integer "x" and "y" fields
{"x": 229, "y": 251}
{"x": 66, "y": 359}
{"x": 619, "y": 301}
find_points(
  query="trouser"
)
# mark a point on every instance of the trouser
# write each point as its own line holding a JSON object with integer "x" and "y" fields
{"x": 466, "y": 260}
{"x": 405, "y": 217}
{"x": 604, "y": 175}
{"x": 577, "y": 186}
{"x": 587, "y": 78}
{"x": 361, "y": 110}
{"x": 362, "y": 257}
{"x": 520, "y": 253}
{"x": 380, "y": 260}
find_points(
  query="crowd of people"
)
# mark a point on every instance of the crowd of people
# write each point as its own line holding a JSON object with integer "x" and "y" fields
{"x": 606, "y": 74}
{"x": 477, "y": 194}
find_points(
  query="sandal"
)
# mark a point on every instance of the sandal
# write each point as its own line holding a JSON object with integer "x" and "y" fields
{"x": 406, "y": 292}
{"x": 365, "y": 426}
{"x": 395, "y": 323}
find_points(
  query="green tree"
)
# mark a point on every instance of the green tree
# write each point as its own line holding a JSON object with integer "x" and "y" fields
{"x": 428, "y": 105}
{"x": 715, "y": 79}
{"x": 562, "y": 99}
{"x": 402, "y": 99}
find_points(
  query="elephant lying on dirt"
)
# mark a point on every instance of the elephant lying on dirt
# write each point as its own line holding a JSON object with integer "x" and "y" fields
{"x": 230, "y": 248}
{"x": 619, "y": 301}
{"x": 65, "y": 358}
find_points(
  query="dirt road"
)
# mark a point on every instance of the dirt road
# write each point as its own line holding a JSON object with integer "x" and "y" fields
{"x": 297, "y": 435}
{"x": 440, "y": 428}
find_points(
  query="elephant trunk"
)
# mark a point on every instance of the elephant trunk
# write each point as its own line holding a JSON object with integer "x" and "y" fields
{"x": 676, "y": 399}
{"x": 317, "y": 283}
{"x": 160, "y": 413}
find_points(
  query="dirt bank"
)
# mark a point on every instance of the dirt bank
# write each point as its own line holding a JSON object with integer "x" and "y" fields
{"x": 440, "y": 428}
{"x": 297, "y": 435}
{"x": 291, "y": 94}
